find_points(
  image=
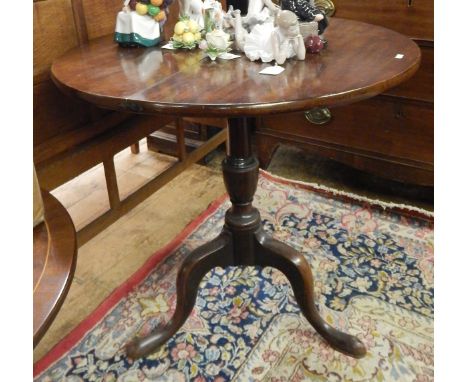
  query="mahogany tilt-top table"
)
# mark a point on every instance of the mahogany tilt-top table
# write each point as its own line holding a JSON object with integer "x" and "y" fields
{"x": 361, "y": 61}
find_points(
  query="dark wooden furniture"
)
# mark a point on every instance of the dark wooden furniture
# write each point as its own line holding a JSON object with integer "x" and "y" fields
{"x": 354, "y": 68}
{"x": 54, "y": 259}
{"x": 391, "y": 135}
{"x": 70, "y": 135}
{"x": 195, "y": 134}
{"x": 191, "y": 131}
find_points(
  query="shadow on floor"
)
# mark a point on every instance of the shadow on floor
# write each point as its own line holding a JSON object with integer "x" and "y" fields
{"x": 293, "y": 163}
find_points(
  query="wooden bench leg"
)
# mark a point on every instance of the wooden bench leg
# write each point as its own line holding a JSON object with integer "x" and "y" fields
{"x": 181, "y": 150}
{"x": 111, "y": 181}
{"x": 135, "y": 148}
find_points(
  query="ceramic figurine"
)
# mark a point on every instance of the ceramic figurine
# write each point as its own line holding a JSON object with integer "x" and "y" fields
{"x": 306, "y": 11}
{"x": 192, "y": 9}
{"x": 208, "y": 18}
{"x": 267, "y": 42}
{"x": 287, "y": 41}
{"x": 215, "y": 44}
{"x": 213, "y": 14}
{"x": 233, "y": 21}
{"x": 259, "y": 11}
{"x": 139, "y": 23}
{"x": 187, "y": 34}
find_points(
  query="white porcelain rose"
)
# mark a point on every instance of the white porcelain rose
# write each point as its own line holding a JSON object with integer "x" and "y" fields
{"x": 217, "y": 43}
{"x": 218, "y": 39}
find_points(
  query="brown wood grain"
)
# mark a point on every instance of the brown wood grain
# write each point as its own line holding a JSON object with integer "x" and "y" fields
{"x": 415, "y": 21}
{"x": 387, "y": 167}
{"x": 380, "y": 125}
{"x": 80, "y": 22}
{"x": 54, "y": 113}
{"x": 131, "y": 201}
{"x": 181, "y": 151}
{"x": 421, "y": 85}
{"x": 53, "y": 33}
{"x": 59, "y": 25}
{"x": 359, "y": 63}
{"x": 111, "y": 182}
{"x": 62, "y": 142}
{"x": 81, "y": 157}
{"x": 100, "y": 16}
{"x": 54, "y": 263}
{"x": 135, "y": 148}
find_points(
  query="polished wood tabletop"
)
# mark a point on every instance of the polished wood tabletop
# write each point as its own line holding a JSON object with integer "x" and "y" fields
{"x": 359, "y": 62}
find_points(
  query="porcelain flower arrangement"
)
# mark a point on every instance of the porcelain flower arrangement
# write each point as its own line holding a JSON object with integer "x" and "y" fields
{"x": 216, "y": 43}
{"x": 187, "y": 33}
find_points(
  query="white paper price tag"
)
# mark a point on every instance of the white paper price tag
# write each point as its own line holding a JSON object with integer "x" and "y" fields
{"x": 168, "y": 46}
{"x": 228, "y": 56}
{"x": 272, "y": 70}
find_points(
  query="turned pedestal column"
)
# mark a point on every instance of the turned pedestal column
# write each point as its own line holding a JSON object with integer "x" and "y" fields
{"x": 243, "y": 242}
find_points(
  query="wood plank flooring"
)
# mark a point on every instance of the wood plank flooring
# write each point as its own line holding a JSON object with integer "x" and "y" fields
{"x": 85, "y": 197}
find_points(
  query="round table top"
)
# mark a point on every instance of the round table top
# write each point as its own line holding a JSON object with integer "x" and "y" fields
{"x": 361, "y": 61}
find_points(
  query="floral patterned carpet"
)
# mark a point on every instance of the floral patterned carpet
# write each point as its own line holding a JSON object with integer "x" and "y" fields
{"x": 373, "y": 270}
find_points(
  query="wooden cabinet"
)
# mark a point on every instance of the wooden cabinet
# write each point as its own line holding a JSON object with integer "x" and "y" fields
{"x": 413, "y": 18}
{"x": 391, "y": 135}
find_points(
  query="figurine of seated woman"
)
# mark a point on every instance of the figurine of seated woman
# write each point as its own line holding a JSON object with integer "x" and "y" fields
{"x": 306, "y": 12}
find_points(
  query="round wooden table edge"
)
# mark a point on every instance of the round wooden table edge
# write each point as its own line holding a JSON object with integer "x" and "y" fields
{"x": 62, "y": 252}
{"x": 235, "y": 110}
{"x": 243, "y": 109}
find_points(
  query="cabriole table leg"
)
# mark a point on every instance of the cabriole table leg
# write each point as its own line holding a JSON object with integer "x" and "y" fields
{"x": 243, "y": 242}
{"x": 196, "y": 265}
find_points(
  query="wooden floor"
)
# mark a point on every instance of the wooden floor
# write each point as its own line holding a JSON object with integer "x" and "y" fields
{"x": 85, "y": 197}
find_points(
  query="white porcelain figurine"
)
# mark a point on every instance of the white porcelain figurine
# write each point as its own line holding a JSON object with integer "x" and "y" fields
{"x": 214, "y": 10}
{"x": 259, "y": 11}
{"x": 267, "y": 42}
{"x": 233, "y": 24}
{"x": 193, "y": 9}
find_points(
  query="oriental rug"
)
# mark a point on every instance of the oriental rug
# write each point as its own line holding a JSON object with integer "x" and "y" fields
{"x": 373, "y": 269}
